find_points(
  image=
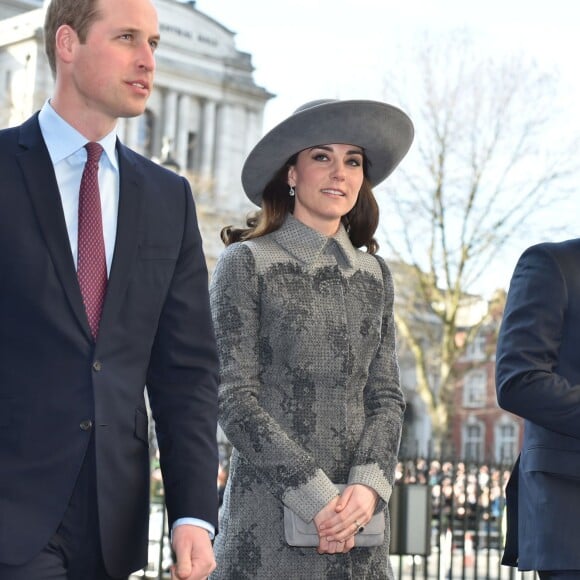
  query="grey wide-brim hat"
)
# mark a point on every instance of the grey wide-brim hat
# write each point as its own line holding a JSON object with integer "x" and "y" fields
{"x": 384, "y": 132}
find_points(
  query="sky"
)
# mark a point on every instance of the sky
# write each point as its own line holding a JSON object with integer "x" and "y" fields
{"x": 309, "y": 49}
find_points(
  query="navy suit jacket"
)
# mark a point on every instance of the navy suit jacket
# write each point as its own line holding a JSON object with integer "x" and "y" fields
{"x": 155, "y": 330}
{"x": 538, "y": 378}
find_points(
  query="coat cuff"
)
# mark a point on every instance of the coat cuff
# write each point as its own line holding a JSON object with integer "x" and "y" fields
{"x": 308, "y": 499}
{"x": 372, "y": 476}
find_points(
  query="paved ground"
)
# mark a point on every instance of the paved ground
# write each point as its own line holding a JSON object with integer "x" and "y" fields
{"x": 485, "y": 567}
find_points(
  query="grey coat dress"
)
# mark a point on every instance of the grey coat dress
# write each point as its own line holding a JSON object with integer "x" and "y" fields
{"x": 309, "y": 396}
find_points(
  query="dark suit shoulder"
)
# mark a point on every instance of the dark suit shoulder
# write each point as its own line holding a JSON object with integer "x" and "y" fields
{"x": 557, "y": 248}
{"x": 144, "y": 162}
{"x": 565, "y": 253}
{"x": 9, "y": 135}
{"x": 156, "y": 176}
{"x": 29, "y": 130}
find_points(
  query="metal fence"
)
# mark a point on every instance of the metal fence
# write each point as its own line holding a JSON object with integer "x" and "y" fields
{"x": 447, "y": 520}
{"x": 463, "y": 505}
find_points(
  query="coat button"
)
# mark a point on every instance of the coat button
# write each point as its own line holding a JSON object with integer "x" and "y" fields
{"x": 86, "y": 425}
{"x": 97, "y": 366}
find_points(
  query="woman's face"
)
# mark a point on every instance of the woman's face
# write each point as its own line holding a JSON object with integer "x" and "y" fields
{"x": 327, "y": 180}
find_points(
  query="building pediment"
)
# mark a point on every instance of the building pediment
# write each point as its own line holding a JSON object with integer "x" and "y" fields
{"x": 22, "y": 27}
{"x": 184, "y": 28}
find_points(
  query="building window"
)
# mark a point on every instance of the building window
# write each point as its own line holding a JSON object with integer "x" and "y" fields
{"x": 475, "y": 350}
{"x": 507, "y": 434}
{"x": 475, "y": 389}
{"x": 473, "y": 440}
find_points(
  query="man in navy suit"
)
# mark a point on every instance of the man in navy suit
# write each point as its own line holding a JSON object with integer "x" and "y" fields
{"x": 538, "y": 378}
{"x": 74, "y": 471}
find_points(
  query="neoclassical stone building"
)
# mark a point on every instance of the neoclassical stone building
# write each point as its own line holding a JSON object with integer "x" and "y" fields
{"x": 205, "y": 112}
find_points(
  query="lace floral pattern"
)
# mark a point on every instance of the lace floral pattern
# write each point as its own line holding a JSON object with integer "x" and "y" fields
{"x": 309, "y": 395}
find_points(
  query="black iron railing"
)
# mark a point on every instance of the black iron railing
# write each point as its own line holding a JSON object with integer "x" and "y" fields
{"x": 447, "y": 520}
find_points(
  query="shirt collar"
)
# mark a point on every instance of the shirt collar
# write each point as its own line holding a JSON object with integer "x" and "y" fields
{"x": 306, "y": 244}
{"x": 62, "y": 140}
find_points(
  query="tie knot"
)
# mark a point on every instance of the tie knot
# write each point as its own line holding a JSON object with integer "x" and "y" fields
{"x": 94, "y": 151}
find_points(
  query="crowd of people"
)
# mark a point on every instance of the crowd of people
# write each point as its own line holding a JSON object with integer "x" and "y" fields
{"x": 464, "y": 495}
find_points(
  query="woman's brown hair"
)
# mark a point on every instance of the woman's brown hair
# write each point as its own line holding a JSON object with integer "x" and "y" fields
{"x": 360, "y": 222}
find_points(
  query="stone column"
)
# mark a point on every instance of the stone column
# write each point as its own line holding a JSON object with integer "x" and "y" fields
{"x": 223, "y": 151}
{"x": 254, "y": 129}
{"x": 207, "y": 141}
{"x": 170, "y": 115}
{"x": 182, "y": 137}
{"x": 132, "y": 133}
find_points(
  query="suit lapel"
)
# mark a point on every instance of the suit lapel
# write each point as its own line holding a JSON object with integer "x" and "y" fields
{"x": 126, "y": 242}
{"x": 43, "y": 190}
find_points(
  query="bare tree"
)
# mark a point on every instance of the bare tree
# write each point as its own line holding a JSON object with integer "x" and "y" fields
{"x": 484, "y": 163}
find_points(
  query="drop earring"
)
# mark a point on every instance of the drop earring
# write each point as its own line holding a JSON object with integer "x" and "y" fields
{"x": 292, "y": 191}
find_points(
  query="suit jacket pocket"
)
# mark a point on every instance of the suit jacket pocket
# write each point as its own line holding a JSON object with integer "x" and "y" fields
{"x": 562, "y": 462}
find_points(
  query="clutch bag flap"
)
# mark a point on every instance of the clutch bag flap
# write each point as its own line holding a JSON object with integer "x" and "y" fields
{"x": 303, "y": 534}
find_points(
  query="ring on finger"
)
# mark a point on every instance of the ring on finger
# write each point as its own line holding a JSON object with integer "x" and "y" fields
{"x": 359, "y": 527}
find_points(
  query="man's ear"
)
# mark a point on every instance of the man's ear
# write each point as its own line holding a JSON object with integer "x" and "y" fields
{"x": 65, "y": 40}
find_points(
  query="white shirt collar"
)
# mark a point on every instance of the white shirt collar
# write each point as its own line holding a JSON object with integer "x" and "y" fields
{"x": 62, "y": 140}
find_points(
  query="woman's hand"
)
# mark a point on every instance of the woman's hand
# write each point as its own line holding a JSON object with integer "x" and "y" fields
{"x": 326, "y": 546}
{"x": 352, "y": 510}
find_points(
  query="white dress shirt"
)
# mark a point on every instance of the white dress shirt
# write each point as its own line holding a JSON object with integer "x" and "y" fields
{"x": 66, "y": 147}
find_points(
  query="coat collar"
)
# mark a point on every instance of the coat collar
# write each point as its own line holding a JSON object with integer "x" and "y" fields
{"x": 63, "y": 140}
{"x": 307, "y": 244}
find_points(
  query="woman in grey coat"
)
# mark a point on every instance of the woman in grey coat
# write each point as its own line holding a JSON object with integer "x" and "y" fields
{"x": 309, "y": 394}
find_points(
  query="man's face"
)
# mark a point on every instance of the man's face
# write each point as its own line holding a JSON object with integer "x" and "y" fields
{"x": 112, "y": 72}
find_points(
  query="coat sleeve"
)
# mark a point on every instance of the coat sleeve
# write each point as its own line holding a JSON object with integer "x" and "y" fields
{"x": 530, "y": 378}
{"x": 289, "y": 471}
{"x": 182, "y": 381}
{"x": 376, "y": 454}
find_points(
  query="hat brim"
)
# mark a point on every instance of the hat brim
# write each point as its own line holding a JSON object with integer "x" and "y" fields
{"x": 384, "y": 132}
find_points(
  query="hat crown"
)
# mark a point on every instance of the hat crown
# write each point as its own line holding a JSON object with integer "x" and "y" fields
{"x": 384, "y": 133}
{"x": 312, "y": 104}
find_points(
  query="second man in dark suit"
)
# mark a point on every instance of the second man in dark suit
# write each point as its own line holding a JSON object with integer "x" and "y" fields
{"x": 538, "y": 378}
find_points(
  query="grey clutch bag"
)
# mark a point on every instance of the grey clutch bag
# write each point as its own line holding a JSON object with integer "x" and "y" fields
{"x": 303, "y": 534}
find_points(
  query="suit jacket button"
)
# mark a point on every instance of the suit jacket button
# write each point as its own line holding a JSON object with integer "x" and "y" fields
{"x": 86, "y": 425}
{"x": 97, "y": 366}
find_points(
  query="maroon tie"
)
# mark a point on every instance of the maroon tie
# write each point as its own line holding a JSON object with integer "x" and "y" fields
{"x": 91, "y": 263}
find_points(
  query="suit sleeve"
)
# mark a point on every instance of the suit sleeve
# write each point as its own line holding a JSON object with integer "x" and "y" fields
{"x": 182, "y": 381}
{"x": 529, "y": 377}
